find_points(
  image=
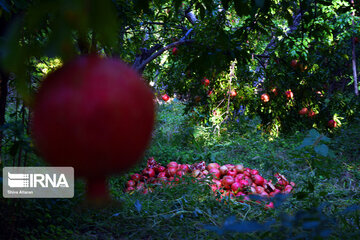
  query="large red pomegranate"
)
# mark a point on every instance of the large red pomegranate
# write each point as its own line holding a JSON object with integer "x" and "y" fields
{"x": 94, "y": 114}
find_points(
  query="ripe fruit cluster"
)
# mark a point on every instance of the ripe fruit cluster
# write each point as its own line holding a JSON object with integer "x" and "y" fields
{"x": 233, "y": 181}
{"x": 305, "y": 112}
{"x": 307, "y": 102}
{"x": 206, "y": 82}
{"x": 266, "y": 97}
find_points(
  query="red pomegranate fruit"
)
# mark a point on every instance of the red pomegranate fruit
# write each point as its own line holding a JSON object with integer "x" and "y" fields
{"x": 96, "y": 115}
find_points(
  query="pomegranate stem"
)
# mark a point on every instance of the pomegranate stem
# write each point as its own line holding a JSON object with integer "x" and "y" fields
{"x": 97, "y": 188}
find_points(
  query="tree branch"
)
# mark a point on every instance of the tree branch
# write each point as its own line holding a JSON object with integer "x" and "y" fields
{"x": 354, "y": 54}
{"x": 146, "y": 57}
{"x": 272, "y": 45}
{"x": 190, "y": 16}
{"x": 140, "y": 66}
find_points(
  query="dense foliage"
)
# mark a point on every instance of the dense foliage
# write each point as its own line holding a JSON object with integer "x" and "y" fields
{"x": 244, "y": 49}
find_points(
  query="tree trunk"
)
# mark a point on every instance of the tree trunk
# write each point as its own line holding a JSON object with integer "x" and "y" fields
{"x": 4, "y": 78}
{"x": 354, "y": 56}
{"x": 356, "y": 88}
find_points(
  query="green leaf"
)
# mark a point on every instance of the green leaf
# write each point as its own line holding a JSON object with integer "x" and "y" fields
{"x": 325, "y": 139}
{"x": 322, "y": 150}
{"x": 306, "y": 142}
{"x": 331, "y": 154}
{"x": 314, "y": 134}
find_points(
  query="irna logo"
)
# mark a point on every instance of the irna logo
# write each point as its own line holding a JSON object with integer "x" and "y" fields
{"x": 23, "y": 180}
{"x": 38, "y": 182}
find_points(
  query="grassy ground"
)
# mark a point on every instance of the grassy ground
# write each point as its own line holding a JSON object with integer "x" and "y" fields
{"x": 324, "y": 205}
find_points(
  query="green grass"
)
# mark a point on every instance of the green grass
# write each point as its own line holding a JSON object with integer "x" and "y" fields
{"x": 326, "y": 186}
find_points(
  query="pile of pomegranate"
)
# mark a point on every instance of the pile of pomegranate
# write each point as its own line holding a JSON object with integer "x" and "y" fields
{"x": 229, "y": 180}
